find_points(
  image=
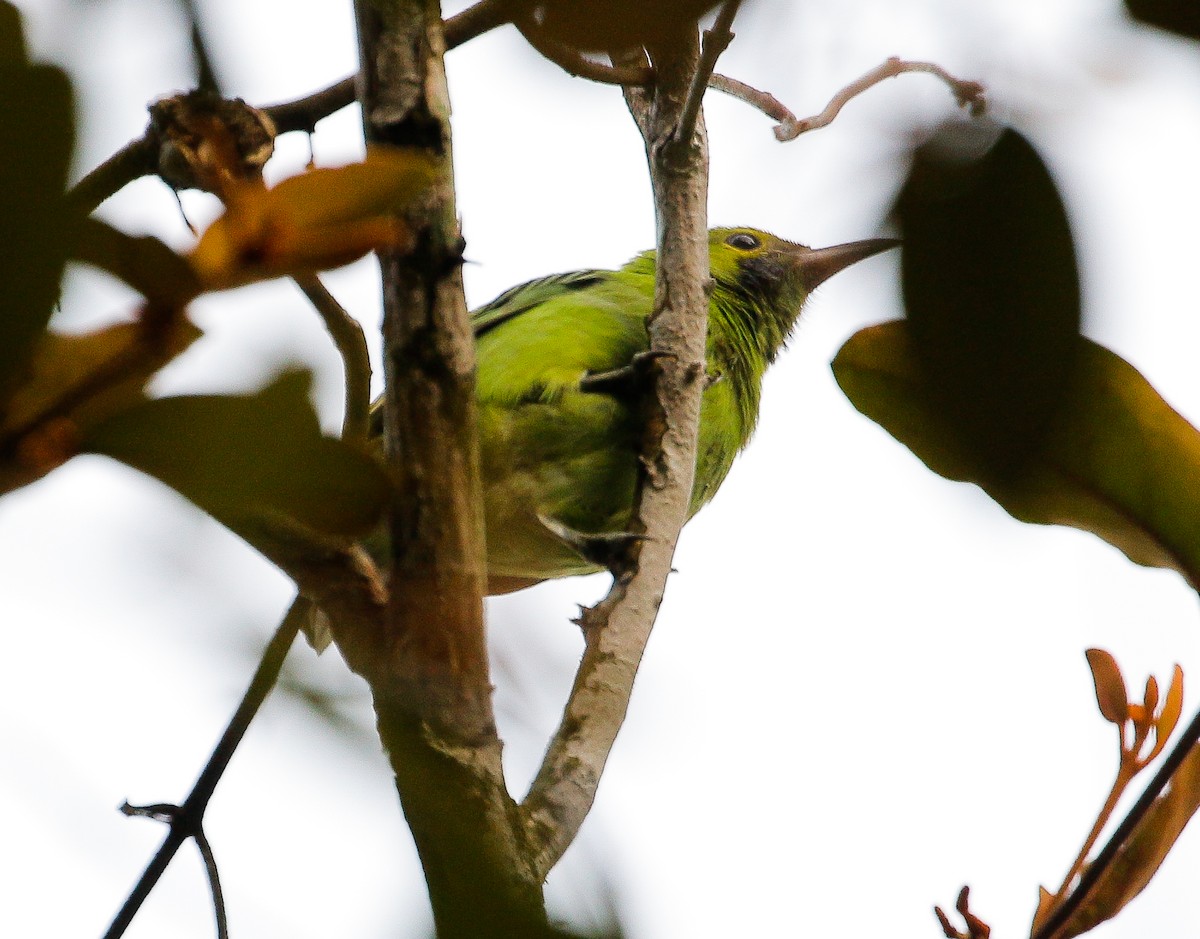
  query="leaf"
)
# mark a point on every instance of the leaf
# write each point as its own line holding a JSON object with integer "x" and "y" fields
{"x": 992, "y": 292}
{"x": 144, "y": 263}
{"x": 603, "y": 25}
{"x": 1119, "y": 462}
{"x": 73, "y": 381}
{"x": 1178, "y": 16}
{"x": 1140, "y": 857}
{"x": 1110, "y": 686}
{"x": 36, "y": 229}
{"x": 315, "y": 221}
{"x": 246, "y": 459}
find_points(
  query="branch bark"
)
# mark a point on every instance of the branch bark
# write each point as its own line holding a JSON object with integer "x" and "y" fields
{"x": 427, "y": 666}
{"x": 618, "y": 629}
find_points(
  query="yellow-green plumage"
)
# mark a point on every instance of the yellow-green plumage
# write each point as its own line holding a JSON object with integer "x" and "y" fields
{"x": 551, "y": 450}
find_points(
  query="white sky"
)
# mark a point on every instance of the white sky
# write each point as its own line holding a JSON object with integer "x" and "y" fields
{"x": 867, "y": 686}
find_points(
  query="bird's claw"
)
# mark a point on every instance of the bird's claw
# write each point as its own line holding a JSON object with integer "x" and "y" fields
{"x": 608, "y": 549}
{"x": 628, "y": 381}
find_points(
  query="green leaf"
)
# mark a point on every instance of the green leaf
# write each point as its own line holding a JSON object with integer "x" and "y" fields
{"x": 1118, "y": 462}
{"x": 252, "y": 458}
{"x": 36, "y": 229}
{"x": 992, "y": 291}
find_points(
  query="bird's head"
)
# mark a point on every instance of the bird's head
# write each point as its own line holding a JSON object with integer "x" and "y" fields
{"x": 768, "y": 278}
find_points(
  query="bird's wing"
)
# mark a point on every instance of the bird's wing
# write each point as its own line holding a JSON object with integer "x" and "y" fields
{"x": 517, "y": 300}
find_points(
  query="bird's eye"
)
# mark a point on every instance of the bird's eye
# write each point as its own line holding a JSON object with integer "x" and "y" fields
{"x": 743, "y": 241}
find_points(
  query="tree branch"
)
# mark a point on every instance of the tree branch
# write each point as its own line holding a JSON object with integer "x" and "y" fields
{"x": 351, "y": 344}
{"x": 716, "y": 41}
{"x": 426, "y": 663}
{"x": 618, "y": 628}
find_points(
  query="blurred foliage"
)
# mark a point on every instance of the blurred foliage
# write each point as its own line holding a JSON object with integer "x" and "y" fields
{"x": 249, "y": 458}
{"x": 1118, "y": 462}
{"x": 604, "y": 25}
{"x": 1178, "y": 16}
{"x": 36, "y": 228}
{"x": 991, "y": 292}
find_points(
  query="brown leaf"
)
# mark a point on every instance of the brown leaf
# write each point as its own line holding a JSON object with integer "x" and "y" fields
{"x": 1110, "y": 686}
{"x": 320, "y": 219}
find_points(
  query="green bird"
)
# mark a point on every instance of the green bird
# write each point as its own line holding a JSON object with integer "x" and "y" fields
{"x": 559, "y": 453}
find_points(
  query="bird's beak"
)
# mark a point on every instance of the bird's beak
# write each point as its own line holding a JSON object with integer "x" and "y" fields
{"x": 817, "y": 265}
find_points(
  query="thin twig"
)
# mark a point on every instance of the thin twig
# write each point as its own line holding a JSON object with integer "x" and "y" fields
{"x": 185, "y": 822}
{"x": 475, "y": 21}
{"x": 716, "y": 41}
{"x": 304, "y": 113}
{"x": 351, "y": 344}
{"x": 771, "y": 106}
{"x": 1096, "y": 870}
{"x": 968, "y": 94}
{"x": 581, "y": 66}
{"x": 214, "y": 883}
{"x": 136, "y": 159}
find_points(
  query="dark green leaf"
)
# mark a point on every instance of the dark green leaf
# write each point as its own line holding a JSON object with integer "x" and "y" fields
{"x": 36, "y": 230}
{"x": 246, "y": 459}
{"x": 1179, "y": 16}
{"x": 602, "y": 25}
{"x": 1118, "y": 462}
{"x": 992, "y": 292}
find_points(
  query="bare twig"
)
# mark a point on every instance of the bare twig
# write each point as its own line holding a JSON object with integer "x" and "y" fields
{"x": 771, "y": 106}
{"x": 476, "y": 20}
{"x": 304, "y": 113}
{"x": 618, "y": 628}
{"x": 968, "y": 94}
{"x": 214, "y": 883}
{"x": 716, "y": 41}
{"x": 185, "y": 820}
{"x": 1096, "y": 870}
{"x": 136, "y": 159}
{"x": 351, "y": 344}
{"x": 571, "y": 62}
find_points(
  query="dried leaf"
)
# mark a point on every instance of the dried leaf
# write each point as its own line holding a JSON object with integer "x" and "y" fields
{"x": 1120, "y": 462}
{"x": 73, "y": 381}
{"x": 1047, "y": 901}
{"x": 1140, "y": 857}
{"x": 1110, "y": 686}
{"x": 320, "y": 219}
{"x": 1172, "y": 708}
{"x": 1150, "y": 698}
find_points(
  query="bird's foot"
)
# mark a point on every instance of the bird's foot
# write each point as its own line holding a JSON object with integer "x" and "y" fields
{"x": 628, "y": 381}
{"x": 609, "y": 549}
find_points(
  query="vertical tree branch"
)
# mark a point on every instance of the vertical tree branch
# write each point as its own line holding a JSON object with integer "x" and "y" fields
{"x": 428, "y": 667}
{"x": 619, "y": 627}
